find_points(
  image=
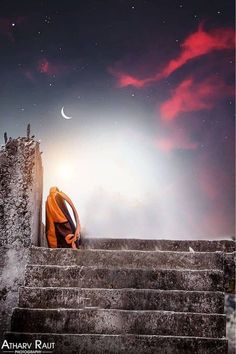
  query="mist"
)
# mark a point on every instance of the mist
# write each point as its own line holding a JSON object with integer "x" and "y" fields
{"x": 124, "y": 187}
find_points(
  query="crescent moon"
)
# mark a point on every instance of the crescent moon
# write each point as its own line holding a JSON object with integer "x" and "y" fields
{"x": 64, "y": 115}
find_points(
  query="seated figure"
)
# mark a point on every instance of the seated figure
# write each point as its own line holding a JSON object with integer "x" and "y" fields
{"x": 61, "y": 232}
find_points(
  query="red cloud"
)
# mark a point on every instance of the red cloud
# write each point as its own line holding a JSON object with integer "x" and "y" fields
{"x": 43, "y": 66}
{"x": 201, "y": 43}
{"x": 176, "y": 140}
{"x": 192, "y": 96}
{"x": 197, "y": 44}
{"x": 49, "y": 68}
{"x": 124, "y": 80}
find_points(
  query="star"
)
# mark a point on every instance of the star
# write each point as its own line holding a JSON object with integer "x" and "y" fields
{"x": 47, "y": 20}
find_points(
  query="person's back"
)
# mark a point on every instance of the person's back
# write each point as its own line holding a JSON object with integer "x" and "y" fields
{"x": 61, "y": 231}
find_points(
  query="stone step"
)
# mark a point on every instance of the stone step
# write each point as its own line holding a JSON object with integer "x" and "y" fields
{"x": 158, "y": 245}
{"x": 94, "y": 277}
{"x": 126, "y": 299}
{"x": 120, "y": 344}
{"x": 101, "y": 321}
{"x": 127, "y": 259}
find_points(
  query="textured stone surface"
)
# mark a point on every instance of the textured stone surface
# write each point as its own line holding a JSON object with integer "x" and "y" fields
{"x": 103, "y": 321}
{"x": 20, "y": 193}
{"x": 129, "y": 259}
{"x": 127, "y": 299}
{"x": 20, "y": 216}
{"x": 125, "y": 344}
{"x": 12, "y": 266}
{"x": 159, "y": 245}
{"x": 94, "y": 277}
{"x": 124, "y": 293}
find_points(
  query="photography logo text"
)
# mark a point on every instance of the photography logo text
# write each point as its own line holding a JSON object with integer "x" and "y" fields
{"x": 36, "y": 347}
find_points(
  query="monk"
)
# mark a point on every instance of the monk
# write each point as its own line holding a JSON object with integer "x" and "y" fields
{"x": 61, "y": 232}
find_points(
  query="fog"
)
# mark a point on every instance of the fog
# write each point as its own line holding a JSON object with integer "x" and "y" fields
{"x": 122, "y": 186}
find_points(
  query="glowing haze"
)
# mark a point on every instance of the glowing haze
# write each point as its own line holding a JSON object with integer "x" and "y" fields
{"x": 149, "y": 150}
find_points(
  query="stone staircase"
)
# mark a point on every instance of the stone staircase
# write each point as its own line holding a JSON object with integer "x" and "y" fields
{"x": 124, "y": 296}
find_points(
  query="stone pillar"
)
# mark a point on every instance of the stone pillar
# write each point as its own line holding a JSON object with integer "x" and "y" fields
{"x": 20, "y": 193}
{"x": 21, "y": 181}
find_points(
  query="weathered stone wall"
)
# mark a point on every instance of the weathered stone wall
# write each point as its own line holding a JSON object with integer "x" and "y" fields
{"x": 12, "y": 266}
{"x": 21, "y": 182}
{"x": 20, "y": 193}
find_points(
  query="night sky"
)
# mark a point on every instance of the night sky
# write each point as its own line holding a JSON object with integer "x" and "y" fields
{"x": 149, "y": 86}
